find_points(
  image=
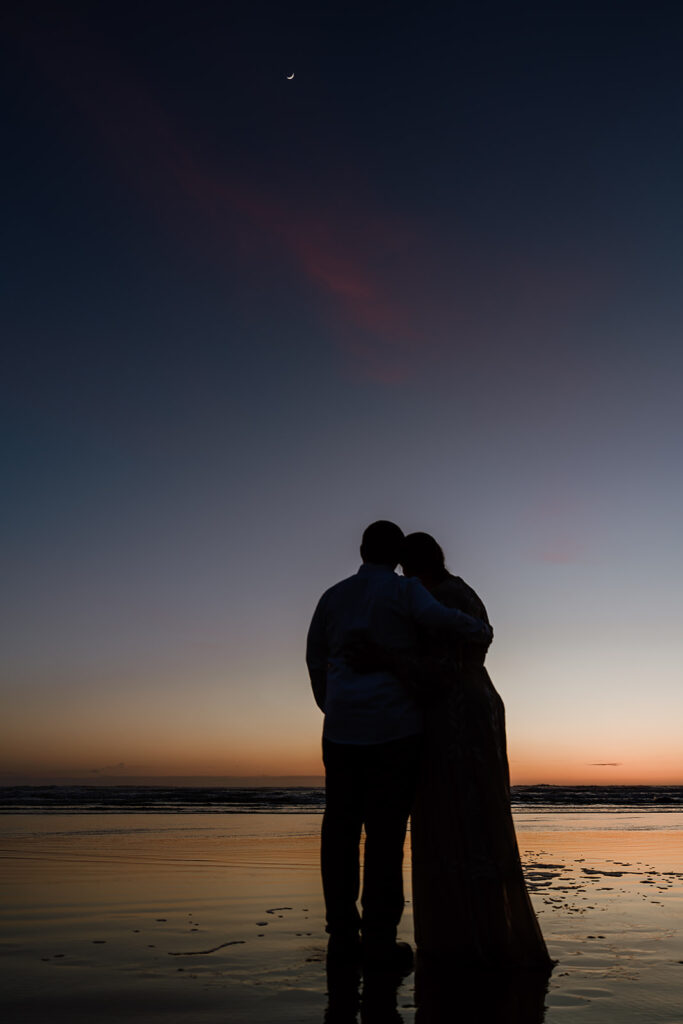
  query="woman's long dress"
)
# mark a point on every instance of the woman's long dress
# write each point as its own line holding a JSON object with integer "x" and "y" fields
{"x": 470, "y": 901}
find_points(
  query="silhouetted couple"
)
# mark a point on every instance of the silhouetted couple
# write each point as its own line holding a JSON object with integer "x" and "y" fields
{"x": 413, "y": 723}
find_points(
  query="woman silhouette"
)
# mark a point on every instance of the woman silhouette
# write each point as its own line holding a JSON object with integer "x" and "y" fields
{"x": 470, "y": 901}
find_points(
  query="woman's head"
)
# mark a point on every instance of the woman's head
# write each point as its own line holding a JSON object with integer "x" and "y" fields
{"x": 423, "y": 557}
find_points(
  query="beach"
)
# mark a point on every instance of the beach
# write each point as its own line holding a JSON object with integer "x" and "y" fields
{"x": 217, "y": 917}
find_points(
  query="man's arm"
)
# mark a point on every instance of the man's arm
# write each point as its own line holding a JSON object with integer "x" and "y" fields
{"x": 429, "y": 612}
{"x": 317, "y": 654}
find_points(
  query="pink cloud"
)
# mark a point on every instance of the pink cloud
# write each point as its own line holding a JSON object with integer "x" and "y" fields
{"x": 379, "y": 283}
{"x": 217, "y": 210}
{"x": 561, "y": 527}
{"x": 562, "y": 552}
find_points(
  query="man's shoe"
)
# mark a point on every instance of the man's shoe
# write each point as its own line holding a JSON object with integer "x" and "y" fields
{"x": 396, "y": 957}
{"x": 344, "y": 948}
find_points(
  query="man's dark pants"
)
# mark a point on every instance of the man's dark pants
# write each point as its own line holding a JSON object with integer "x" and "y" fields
{"x": 371, "y": 786}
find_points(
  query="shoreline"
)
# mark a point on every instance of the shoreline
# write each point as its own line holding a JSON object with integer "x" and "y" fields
{"x": 187, "y": 918}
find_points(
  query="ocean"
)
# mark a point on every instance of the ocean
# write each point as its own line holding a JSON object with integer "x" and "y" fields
{"x": 134, "y": 799}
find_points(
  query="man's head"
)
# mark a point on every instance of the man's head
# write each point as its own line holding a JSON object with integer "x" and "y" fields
{"x": 382, "y": 543}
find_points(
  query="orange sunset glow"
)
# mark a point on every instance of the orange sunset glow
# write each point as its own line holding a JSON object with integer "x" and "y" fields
{"x": 274, "y": 730}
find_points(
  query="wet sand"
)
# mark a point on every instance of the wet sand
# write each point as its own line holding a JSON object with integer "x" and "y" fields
{"x": 216, "y": 918}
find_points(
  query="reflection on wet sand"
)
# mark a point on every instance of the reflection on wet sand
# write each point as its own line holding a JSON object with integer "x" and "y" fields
{"x": 441, "y": 994}
{"x": 222, "y": 914}
{"x": 373, "y": 994}
{"x": 343, "y": 993}
{"x": 489, "y": 997}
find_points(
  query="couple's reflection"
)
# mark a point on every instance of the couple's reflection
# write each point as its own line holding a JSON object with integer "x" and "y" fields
{"x": 441, "y": 995}
{"x": 489, "y": 997}
{"x": 370, "y": 994}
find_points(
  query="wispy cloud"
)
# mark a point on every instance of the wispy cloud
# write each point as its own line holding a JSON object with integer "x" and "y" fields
{"x": 108, "y": 768}
{"x": 558, "y": 525}
{"x": 380, "y": 283}
{"x": 563, "y": 552}
{"x": 216, "y": 208}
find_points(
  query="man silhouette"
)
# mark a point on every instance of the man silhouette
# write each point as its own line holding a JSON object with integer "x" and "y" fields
{"x": 371, "y": 741}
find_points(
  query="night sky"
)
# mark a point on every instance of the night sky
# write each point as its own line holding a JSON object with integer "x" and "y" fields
{"x": 436, "y": 277}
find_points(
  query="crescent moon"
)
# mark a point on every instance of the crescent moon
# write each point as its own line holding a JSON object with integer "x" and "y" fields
{"x": 289, "y": 77}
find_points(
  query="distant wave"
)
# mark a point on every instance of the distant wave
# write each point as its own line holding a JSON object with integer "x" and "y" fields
{"x": 293, "y": 800}
{"x": 158, "y": 799}
{"x": 647, "y": 797}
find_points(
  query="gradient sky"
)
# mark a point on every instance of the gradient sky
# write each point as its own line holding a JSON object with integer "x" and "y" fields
{"x": 435, "y": 278}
